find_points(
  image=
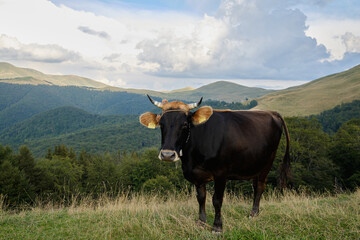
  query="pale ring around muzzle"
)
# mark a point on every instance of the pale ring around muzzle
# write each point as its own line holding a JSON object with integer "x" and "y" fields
{"x": 169, "y": 155}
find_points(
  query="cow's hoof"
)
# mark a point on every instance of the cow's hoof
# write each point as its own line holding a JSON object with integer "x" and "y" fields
{"x": 216, "y": 230}
{"x": 253, "y": 214}
{"x": 201, "y": 223}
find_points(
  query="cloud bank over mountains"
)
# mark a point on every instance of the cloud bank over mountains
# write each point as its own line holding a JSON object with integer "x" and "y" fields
{"x": 243, "y": 39}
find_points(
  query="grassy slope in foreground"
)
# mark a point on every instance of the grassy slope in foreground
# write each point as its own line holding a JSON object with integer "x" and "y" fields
{"x": 316, "y": 96}
{"x": 293, "y": 216}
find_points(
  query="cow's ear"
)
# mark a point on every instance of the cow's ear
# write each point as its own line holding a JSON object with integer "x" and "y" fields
{"x": 150, "y": 120}
{"x": 202, "y": 115}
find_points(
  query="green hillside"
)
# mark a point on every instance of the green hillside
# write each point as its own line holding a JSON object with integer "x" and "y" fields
{"x": 316, "y": 96}
{"x": 19, "y": 102}
{"x": 81, "y": 130}
{"x": 332, "y": 119}
{"x": 54, "y": 122}
{"x": 108, "y": 138}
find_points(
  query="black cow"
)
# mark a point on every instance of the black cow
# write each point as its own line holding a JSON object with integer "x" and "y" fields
{"x": 216, "y": 145}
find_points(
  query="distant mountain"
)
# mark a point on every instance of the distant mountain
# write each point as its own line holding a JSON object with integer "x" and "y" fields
{"x": 179, "y": 90}
{"x": 221, "y": 91}
{"x": 315, "y": 96}
{"x": 11, "y": 74}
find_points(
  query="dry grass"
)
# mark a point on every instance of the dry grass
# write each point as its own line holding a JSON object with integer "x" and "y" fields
{"x": 314, "y": 97}
{"x": 288, "y": 216}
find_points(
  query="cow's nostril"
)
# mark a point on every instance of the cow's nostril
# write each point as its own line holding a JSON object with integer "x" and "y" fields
{"x": 168, "y": 155}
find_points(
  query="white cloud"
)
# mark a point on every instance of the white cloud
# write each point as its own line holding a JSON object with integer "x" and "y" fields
{"x": 329, "y": 32}
{"x": 351, "y": 42}
{"x": 12, "y": 49}
{"x": 246, "y": 39}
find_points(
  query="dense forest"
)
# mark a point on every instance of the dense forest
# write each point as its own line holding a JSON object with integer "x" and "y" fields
{"x": 319, "y": 162}
{"x": 20, "y": 102}
{"x": 332, "y": 119}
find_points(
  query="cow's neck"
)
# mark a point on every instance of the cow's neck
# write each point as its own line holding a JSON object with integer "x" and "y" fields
{"x": 187, "y": 139}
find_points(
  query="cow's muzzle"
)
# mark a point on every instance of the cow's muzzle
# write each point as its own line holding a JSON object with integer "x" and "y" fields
{"x": 168, "y": 155}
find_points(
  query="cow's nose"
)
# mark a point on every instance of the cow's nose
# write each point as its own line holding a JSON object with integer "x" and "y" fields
{"x": 167, "y": 155}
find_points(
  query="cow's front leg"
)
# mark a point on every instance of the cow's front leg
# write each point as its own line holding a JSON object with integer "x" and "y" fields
{"x": 201, "y": 197}
{"x": 217, "y": 202}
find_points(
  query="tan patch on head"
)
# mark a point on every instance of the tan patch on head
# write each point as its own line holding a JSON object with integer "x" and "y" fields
{"x": 176, "y": 105}
{"x": 150, "y": 120}
{"x": 202, "y": 115}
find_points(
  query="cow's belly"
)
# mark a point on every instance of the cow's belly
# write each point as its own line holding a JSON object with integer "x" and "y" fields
{"x": 247, "y": 166}
{"x": 198, "y": 175}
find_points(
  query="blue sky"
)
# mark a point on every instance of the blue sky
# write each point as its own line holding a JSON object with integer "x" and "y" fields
{"x": 186, "y": 6}
{"x": 164, "y": 45}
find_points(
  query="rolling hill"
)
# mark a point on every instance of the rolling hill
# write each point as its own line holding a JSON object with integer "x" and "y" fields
{"x": 315, "y": 96}
{"x": 221, "y": 91}
{"x": 11, "y": 74}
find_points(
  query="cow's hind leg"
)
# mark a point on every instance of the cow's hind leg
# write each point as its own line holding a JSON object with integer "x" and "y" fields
{"x": 217, "y": 202}
{"x": 259, "y": 187}
{"x": 259, "y": 184}
{"x": 201, "y": 197}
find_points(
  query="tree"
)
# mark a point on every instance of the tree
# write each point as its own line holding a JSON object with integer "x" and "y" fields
{"x": 61, "y": 150}
{"x": 5, "y": 153}
{"x": 25, "y": 161}
{"x": 310, "y": 164}
{"x": 158, "y": 185}
{"x": 61, "y": 177}
{"x": 13, "y": 184}
{"x": 136, "y": 171}
{"x": 103, "y": 175}
{"x": 345, "y": 152}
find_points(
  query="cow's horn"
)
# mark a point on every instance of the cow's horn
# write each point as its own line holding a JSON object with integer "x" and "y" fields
{"x": 156, "y": 103}
{"x": 195, "y": 105}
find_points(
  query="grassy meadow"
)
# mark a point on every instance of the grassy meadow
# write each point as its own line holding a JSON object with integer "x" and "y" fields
{"x": 288, "y": 216}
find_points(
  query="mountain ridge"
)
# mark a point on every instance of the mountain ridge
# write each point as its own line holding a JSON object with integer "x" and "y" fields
{"x": 12, "y": 74}
{"x": 221, "y": 90}
{"x": 315, "y": 96}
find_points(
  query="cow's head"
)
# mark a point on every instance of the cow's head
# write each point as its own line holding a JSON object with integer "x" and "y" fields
{"x": 175, "y": 122}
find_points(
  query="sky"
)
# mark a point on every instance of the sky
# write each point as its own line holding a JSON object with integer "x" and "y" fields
{"x": 166, "y": 45}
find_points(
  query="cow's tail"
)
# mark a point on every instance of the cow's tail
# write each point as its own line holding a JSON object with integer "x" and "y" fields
{"x": 285, "y": 167}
